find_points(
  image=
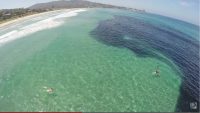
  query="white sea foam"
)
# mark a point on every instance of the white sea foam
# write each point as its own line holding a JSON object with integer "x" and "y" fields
{"x": 8, "y": 34}
{"x": 14, "y": 25}
{"x": 38, "y": 26}
{"x": 38, "y": 18}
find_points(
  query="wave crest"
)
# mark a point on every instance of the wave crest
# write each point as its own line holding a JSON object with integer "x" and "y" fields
{"x": 38, "y": 26}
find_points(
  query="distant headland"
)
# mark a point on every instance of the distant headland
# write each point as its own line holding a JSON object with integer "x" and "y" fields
{"x": 11, "y": 14}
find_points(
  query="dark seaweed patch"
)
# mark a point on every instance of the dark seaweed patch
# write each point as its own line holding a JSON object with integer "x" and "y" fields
{"x": 144, "y": 37}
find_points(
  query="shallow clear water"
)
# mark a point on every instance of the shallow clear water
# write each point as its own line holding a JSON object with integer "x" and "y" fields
{"x": 86, "y": 75}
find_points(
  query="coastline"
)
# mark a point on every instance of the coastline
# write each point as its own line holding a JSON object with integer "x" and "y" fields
{"x": 30, "y": 16}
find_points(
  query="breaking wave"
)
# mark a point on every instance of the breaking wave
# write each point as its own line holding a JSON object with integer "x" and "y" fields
{"x": 38, "y": 26}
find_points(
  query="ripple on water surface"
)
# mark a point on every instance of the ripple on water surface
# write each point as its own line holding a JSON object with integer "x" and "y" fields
{"x": 87, "y": 75}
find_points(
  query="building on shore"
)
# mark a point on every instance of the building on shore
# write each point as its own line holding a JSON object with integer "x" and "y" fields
{"x": 6, "y": 16}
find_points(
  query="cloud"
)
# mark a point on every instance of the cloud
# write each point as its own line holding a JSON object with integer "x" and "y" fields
{"x": 185, "y": 3}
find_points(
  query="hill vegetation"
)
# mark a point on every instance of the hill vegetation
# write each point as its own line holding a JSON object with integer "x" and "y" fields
{"x": 9, "y": 14}
{"x": 76, "y": 4}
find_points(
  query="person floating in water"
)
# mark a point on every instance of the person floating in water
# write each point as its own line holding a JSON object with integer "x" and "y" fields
{"x": 49, "y": 90}
{"x": 157, "y": 70}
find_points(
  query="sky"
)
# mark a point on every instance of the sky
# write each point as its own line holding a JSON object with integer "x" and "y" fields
{"x": 186, "y": 10}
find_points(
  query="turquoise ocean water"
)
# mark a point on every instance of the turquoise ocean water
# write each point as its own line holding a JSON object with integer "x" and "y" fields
{"x": 56, "y": 50}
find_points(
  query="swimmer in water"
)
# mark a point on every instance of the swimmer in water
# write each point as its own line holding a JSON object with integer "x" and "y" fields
{"x": 49, "y": 90}
{"x": 156, "y": 72}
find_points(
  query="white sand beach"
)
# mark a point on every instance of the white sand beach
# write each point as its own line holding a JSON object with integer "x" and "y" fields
{"x": 46, "y": 23}
{"x": 30, "y": 16}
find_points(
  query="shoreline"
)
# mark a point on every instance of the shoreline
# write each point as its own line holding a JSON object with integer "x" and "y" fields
{"x": 30, "y": 16}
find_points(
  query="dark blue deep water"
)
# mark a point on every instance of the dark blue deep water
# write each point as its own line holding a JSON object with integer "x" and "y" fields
{"x": 147, "y": 36}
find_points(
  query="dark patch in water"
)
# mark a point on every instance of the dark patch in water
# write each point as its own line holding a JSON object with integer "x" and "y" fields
{"x": 144, "y": 37}
{"x": 156, "y": 76}
{"x": 53, "y": 95}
